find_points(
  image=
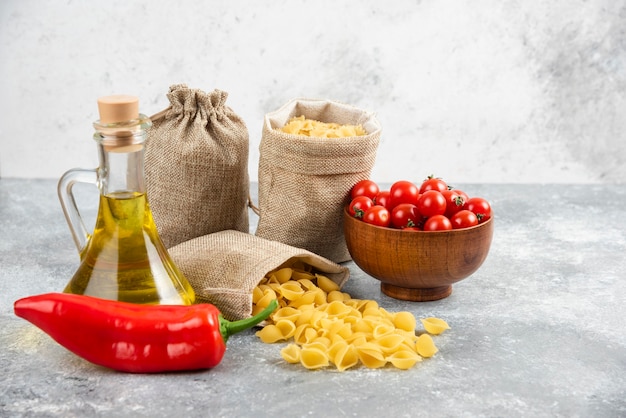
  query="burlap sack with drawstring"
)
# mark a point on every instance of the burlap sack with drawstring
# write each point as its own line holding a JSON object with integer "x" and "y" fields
{"x": 224, "y": 267}
{"x": 305, "y": 182}
{"x": 196, "y": 166}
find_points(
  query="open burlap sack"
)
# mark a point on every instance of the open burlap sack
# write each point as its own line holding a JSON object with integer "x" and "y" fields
{"x": 224, "y": 267}
{"x": 304, "y": 182}
{"x": 197, "y": 166}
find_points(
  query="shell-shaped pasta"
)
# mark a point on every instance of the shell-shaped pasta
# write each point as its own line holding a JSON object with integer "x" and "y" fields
{"x": 268, "y": 296}
{"x": 404, "y": 359}
{"x": 298, "y": 274}
{"x": 270, "y": 334}
{"x": 326, "y": 284}
{"x": 283, "y": 275}
{"x": 335, "y": 295}
{"x": 287, "y": 328}
{"x": 345, "y": 357}
{"x": 291, "y": 290}
{"x": 299, "y": 336}
{"x": 307, "y": 284}
{"x": 390, "y": 343}
{"x": 305, "y": 315}
{"x": 337, "y": 309}
{"x": 371, "y": 355}
{"x": 289, "y": 313}
{"x": 358, "y": 338}
{"x": 405, "y": 320}
{"x": 434, "y": 326}
{"x": 257, "y": 294}
{"x": 382, "y": 329}
{"x": 320, "y": 297}
{"x": 306, "y": 298}
{"x": 313, "y": 358}
{"x": 425, "y": 346}
{"x": 291, "y": 353}
{"x": 363, "y": 326}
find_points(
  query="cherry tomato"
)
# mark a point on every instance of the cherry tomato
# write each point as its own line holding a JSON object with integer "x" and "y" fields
{"x": 437, "y": 223}
{"x": 383, "y": 199}
{"x": 454, "y": 201}
{"x": 359, "y": 206}
{"x": 403, "y": 191}
{"x": 365, "y": 188}
{"x": 404, "y": 215}
{"x": 377, "y": 215}
{"x": 432, "y": 203}
{"x": 464, "y": 219}
{"x": 433, "y": 183}
{"x": 480, "y": 207}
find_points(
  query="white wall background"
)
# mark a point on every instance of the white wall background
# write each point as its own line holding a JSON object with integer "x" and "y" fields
{"x": 472, "y": 91}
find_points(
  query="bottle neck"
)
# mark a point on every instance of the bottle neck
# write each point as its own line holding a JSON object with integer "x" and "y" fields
{"x": 121, "y": 153}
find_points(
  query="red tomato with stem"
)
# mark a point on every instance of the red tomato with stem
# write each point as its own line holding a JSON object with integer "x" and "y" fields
{"x": 365, "y": 188}
{"x": 377, "y": 215}
{"x": 431, "y": 203}
{"x": 437, "y": 223}
{"x": 403, "y": 191}
{"x": 480, "y": 207}
{"x": 359, "y": 205}
{"x": 464, "y": 219}
{"x": 405, "y": 215}
{"x": 433, "y": 183}
{"x": 383, "y": 199}
{"x": 455, "y": 202}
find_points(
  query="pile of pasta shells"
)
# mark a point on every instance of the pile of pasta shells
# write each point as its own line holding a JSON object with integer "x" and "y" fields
{"x": 325, "y": 327}
{"x": 299, "y": 125}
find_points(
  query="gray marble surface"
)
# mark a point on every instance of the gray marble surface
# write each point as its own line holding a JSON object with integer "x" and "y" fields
{"x": 537, "y": 331}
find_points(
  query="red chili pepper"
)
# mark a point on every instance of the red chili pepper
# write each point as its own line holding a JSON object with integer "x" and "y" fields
{"x": 135, "y": 338}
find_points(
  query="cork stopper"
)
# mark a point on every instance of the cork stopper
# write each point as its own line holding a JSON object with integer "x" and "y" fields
{"x": 118, "y": 108}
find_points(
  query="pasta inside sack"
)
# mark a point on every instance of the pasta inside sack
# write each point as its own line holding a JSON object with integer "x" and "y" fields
{"x": 299, "y": 125}
{"x": 325, "y": 326}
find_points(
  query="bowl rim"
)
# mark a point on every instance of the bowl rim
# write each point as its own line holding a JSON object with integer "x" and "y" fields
{"x": 387, "y": 228}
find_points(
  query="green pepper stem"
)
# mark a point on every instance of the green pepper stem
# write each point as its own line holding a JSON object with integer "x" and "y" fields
{"x": 228, "y": 328}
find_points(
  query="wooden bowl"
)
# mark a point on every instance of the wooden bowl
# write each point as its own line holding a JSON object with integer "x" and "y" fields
{"x": 417, "y": 265}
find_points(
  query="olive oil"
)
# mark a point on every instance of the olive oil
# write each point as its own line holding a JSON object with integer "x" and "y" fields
{"x": 125, "y": 258}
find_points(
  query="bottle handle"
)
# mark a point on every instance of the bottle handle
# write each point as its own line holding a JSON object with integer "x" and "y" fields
{"x": 68, "y": 203}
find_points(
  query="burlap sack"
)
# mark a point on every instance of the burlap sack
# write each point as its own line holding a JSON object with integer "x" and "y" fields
{"x": 304, "y": 182}
{"x": 224, "y": 267}
{"x": 197, "y": 166}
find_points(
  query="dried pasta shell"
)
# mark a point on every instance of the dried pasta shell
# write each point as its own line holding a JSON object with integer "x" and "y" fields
{"x": 425, "y": 346}
{"x": 371, "y": 355}
{"x": 434, "y": 326}
{"x": 405, "y": 321}
{"x": 345, "y": 357}
{"x": 287, "y": 328}
{"x": 291, "y": 353}
{"x": 335, "y": 295}
{"x": 298, "y": 274}
{"x": 390, "y": 343}
{"x": 288, "y": 312}
{"x": 404, "y": 359}
{"x": 313, "y": 358}
{"x": 291, "y": 290}
{"x": 283, "y": 275}
{"x": 270, "y": 334}
{"x": 326, "y": 284}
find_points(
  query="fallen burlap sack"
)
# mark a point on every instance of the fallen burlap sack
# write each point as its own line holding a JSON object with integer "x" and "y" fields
{"x": 197, "y": 166}
{"x": 304, "y": 182}
{"x": 224, "y": 267}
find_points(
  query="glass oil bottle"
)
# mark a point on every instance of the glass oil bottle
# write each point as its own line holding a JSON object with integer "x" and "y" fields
{"x": 124, "y": 258}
